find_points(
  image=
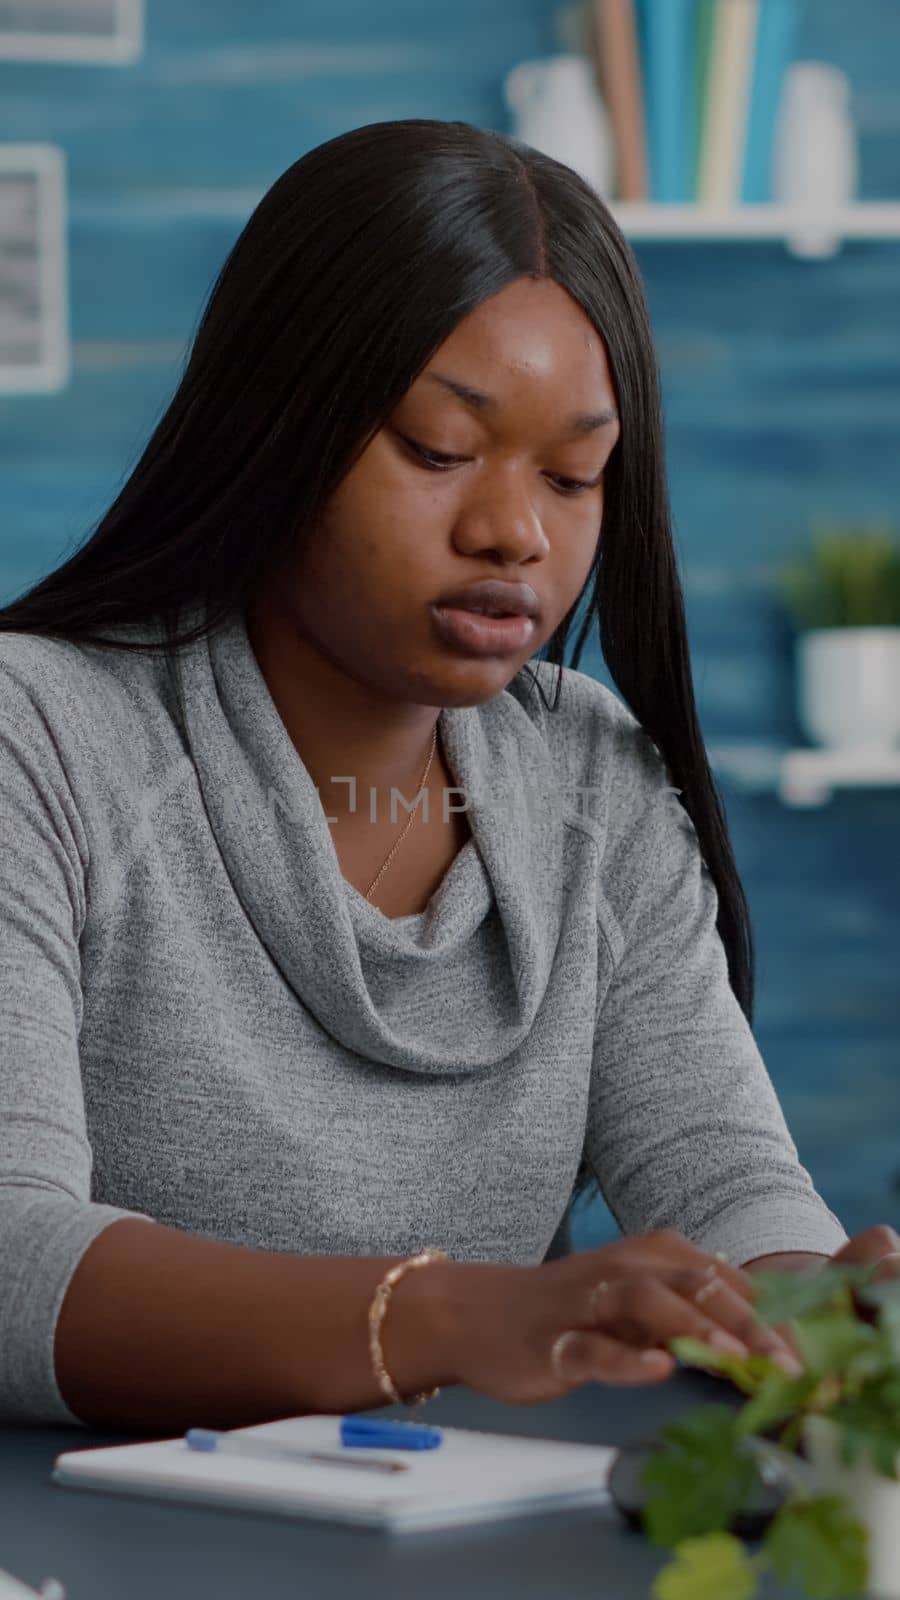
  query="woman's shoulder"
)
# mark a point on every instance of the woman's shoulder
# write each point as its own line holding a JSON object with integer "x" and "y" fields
{"x": 75, "y": 701}
{"x": 38, "y": 681}
{"x": 28, "y": 657}
{"x": 47, "y": 668}
{"x": 584, "y": 702}
{"x": 595, "y": 738}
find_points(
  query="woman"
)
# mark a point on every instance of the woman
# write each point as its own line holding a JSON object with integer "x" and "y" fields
{"x": 248, "y": 1003}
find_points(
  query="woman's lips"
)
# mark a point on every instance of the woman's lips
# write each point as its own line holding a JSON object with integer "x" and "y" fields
{"x": 478, "y": 635}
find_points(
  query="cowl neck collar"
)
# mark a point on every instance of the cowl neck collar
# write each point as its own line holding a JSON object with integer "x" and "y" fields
{"x": 453, "y": 990}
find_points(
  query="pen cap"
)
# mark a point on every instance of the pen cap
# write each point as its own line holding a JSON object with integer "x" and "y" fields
{"x": 388, "y": 1434}
{"x": 201, "y": 1439}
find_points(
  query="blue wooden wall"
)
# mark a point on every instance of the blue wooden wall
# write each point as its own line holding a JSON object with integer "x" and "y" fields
{"x": 782, "y": 392}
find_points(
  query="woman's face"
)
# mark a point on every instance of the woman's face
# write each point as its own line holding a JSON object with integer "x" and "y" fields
{"x": 522, "y": 501}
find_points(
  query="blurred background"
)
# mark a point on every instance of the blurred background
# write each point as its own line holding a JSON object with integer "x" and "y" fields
{"x": 135, "y": 140}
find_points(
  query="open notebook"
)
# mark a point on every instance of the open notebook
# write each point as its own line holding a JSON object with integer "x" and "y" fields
{"x": 470, "y": 1477}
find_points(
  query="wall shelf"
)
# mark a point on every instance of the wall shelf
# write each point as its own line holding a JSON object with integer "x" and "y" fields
{"x": 803, "y": 777}
{"x": 813, "y": 232}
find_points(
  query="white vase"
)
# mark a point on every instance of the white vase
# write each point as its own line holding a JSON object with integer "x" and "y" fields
{"x": 848, "y": 687}
{"x": 815, "y": 164}
{"x": 873, "y": 1499}
{"x": 558, "y": 110}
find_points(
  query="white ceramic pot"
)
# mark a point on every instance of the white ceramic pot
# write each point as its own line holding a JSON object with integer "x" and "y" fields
{"x": 559, "y": 110}
{"x": 874, "y": 1499}
{"x": 848, "y": 686}
{"x": 815, "y": 164}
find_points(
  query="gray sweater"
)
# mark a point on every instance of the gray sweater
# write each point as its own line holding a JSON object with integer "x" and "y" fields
{"x": 204, "y": 1025}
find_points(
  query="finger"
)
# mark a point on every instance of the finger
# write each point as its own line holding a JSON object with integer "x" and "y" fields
{"x": 729, "y": 1310}
{"x": 579, "y": 1356}
{"x": 889, "y": 1266}
{"x": 878, "y": 1245}
{"x": 873, "y": 1244}
{"x": 650, "y": 1309}
{"x": 887, "y": 1270}
{"x": 668, "y": 1248}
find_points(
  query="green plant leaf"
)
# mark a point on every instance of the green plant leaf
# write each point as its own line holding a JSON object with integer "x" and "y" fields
{"x": 850, "y": 578}
{"x": 872, "y": 1447}
{"x": 885, "y": 1297}
{"x": 701, "y": 1477}
{"x": 776, "y": 1400}
{"x": 792, "y": 1435}
{"x": 884, "y": 1292}
{"x": 829, "y": 1340}
{"x": 887, "y": 1384}
{"x": 870, "y": 1429}
{"x": 819, "y": 1545}
{"x": 748, "y": 1372}
{"x": 715, "y": 1567}
{"x": 884, "y": 1453}
{"x": 876, "y": 1361}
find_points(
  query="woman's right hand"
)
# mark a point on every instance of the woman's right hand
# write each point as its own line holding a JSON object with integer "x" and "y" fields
{"x": 525, "y": 1334}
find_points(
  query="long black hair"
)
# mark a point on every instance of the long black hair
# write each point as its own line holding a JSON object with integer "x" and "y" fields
{"x": 354, "y": 268}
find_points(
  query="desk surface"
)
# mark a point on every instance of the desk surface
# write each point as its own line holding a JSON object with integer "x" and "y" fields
{"x": 108, "y": 1548}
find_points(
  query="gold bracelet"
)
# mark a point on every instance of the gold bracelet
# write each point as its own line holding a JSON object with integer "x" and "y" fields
{"x": 377, "y": 1311}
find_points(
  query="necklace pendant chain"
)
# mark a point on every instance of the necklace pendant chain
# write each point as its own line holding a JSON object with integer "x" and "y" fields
{"x": 412, "y": 817}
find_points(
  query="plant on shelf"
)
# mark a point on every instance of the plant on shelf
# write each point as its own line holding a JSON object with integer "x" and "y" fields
{"x": 844, "y": 601}
{"x": 845, "y": 1410}
{"x": 851, "y": 579}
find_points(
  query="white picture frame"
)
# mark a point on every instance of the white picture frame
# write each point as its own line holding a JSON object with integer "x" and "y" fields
{"x": 35, "y": 350}
{"x": 76, "y": 31}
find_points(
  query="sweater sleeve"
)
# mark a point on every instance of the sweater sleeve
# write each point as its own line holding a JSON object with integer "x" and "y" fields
{"x": 47, "y": 1218}
{"x": 684, "y": 1128}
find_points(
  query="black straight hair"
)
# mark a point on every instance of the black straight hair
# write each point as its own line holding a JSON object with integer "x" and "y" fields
{"x": 354, "y": 268}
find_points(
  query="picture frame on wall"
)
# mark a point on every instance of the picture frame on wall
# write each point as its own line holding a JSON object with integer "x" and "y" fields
{"x": 110, "y": 31}
{"x": 35, "y": 353}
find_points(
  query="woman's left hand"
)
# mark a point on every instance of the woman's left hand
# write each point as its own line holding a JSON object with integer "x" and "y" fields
{"x": 879, "y": 1243}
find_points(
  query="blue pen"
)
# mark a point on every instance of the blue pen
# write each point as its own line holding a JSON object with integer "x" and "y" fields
{"x": 277, "y": 1450}
{"x": 389, "y": 1435}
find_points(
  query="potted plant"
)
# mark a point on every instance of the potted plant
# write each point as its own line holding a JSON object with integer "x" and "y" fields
{"x": 845, "y": 605}
{"x": 837, "y": 1532}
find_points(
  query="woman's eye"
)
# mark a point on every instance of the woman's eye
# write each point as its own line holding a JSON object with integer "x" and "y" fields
{"x": 576, "y": 485}
{"x": 433, "y": 457}
{"x": 439, "y": 462}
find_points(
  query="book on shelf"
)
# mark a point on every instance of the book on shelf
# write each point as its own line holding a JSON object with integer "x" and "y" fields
{"x": 666, "y": 33}
{"x": 776, "y": 40}
{"x": 623, "y": 92}
{"x": 730, "y": 70}
{"x": 693, "y": 89}
{"x": 703, "y": 38}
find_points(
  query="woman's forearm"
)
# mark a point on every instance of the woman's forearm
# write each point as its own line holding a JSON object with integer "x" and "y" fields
{"x": 165, "y": 1330}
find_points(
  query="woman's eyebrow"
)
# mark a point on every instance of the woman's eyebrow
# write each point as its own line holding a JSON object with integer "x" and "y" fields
{"x": 581, "y": 423}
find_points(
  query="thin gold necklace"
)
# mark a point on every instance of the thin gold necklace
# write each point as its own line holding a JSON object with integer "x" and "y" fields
{"x": 410, "y": 821}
